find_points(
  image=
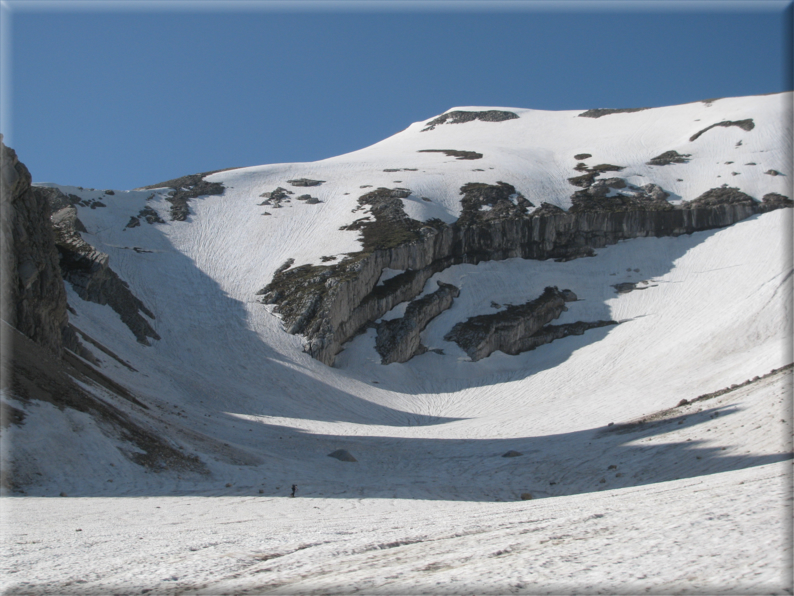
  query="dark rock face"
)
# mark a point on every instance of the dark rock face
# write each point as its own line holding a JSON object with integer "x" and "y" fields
{"x": 398, "y": 339}
{"x": 330, "y": 304}
{"x": 88, "y": 271}
{"x": 461, "y": 116}
{"x": 186, "y": 188}
{"x": 480, "y": 336}
{"x": 599, "y": 112}
{"x": 454, "y": 153}
{"x": 581, "y": 156}
{"x": 669, "y": 157}
{"x": 34, "y": 300}
{"x": 747, "y": 124}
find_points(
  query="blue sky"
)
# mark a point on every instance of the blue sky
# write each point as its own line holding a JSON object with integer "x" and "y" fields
{"x": 119, "y": 96}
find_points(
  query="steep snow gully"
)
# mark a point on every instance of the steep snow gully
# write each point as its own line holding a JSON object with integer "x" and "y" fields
{"x": 548, "y": 352}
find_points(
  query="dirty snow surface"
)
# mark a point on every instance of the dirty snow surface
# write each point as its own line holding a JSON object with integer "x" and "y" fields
{"x": 618, "y": 487}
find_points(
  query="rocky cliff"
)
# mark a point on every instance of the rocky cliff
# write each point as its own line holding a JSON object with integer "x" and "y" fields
{"x": 329, "y": 305}
{"x": 33, "y": 297}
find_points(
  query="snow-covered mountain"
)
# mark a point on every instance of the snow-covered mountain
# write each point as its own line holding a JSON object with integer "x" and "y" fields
{"x": 492, "y": 305}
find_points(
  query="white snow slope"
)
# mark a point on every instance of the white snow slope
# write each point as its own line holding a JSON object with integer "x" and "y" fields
{"x": 695, "y": 500}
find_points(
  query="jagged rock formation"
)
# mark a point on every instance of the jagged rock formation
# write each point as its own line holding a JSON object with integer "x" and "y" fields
{"x": 747, "y": 124}
{"x": 87, "y": 269}
{"x": 186, "y": 188}
{"x": 330, "y": 304}
{"x": 33, "y": 297}
{"x": 398, "y": 339}
{"x": 508, "y": 329}
{"x": 461, "y": 116}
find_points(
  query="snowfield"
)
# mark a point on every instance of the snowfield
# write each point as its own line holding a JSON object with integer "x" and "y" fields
{"x": 618, "y": 486}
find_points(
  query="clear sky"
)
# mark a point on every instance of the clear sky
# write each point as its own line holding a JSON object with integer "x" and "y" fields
{"x": 112, "y": 95}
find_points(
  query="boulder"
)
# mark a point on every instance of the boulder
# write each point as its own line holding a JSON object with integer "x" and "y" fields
{"x": 343, "y": 455}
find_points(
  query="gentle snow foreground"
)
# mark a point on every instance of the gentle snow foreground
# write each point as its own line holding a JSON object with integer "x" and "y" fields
{"x": 696, "y": 498}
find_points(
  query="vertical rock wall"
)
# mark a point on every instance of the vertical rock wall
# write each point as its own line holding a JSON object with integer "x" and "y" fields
{"x": 33, "y": 296}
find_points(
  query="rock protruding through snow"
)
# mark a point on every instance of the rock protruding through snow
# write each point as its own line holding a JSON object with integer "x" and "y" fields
{"x": 508, "y": 329}
{"x": 398, "y": 339}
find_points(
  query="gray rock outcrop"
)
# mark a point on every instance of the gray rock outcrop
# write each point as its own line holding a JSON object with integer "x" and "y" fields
{"x": 398, "y": 339}
{"x": 482, "y": 335}
{"x": 33, "y": 296}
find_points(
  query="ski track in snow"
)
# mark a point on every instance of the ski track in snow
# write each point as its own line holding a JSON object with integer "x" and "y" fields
{"x": 698, "y": 501}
